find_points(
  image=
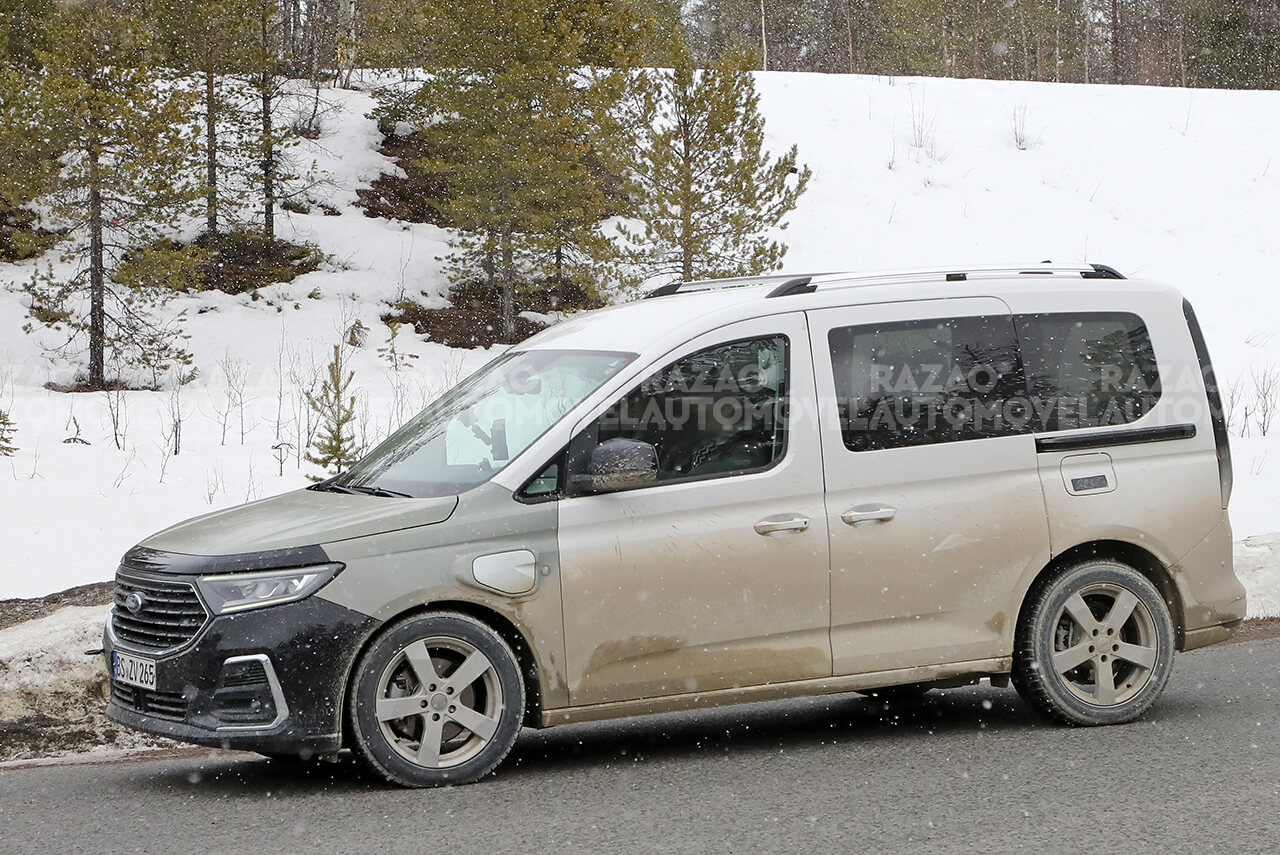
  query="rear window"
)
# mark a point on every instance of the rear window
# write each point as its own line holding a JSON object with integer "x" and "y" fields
{"x": 1088, "y": 369}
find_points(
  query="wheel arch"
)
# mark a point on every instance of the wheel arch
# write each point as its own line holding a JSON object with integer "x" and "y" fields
{"x": 1137, "y": 557}
{"x": 491, "y": 618}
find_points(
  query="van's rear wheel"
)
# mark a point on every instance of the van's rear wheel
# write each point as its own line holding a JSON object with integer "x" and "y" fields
{"x": 1095, "y": 644}
{"x": 437, "y": 699}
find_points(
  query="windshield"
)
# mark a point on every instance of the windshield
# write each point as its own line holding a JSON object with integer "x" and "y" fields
{"x": 478, "y": 427}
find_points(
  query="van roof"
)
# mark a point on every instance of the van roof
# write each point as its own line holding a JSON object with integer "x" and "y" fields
{"x": 683, "y": 310}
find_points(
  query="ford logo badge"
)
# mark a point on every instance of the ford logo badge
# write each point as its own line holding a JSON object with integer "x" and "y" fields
{"x": 134, "y": 603}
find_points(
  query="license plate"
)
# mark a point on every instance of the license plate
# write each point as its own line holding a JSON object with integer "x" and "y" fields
{"x": 133, "y": 670}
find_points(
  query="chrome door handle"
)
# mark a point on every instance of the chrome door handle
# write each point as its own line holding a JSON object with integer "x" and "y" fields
{"x": 869, "y": 513}
{"x": 774, "y": 526}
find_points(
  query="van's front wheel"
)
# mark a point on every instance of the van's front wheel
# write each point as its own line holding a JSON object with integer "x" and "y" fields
{"x": 1095, "y": 644}
{"x": 437, "y": 699}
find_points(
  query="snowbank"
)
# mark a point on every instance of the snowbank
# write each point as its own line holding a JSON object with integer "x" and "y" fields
{"x": 1257, "y": 561}
{"x": 51, "y": 694}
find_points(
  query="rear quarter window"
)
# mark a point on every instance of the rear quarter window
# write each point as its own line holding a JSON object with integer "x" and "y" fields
{"x": 1088, "y": 369}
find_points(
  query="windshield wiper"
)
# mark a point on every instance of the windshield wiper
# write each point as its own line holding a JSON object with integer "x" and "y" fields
{"x": 376, "y": 491}
{"x": 330, "y": 487}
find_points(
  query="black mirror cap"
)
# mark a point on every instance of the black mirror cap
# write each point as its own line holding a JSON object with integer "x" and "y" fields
{"x": 619, "y": 464}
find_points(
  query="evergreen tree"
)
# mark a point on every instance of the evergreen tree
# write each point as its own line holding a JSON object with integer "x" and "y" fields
{"x": 783, "y": 35}
{"x": 524, "y": 134}
{"x": 708, "y": 192}
{"x": 212, "y": 39}
{"x": 335, "y": 444}
{"x": 7, "y": 430}
{"x": 24, "y": 30}
{"x": 400, "y": 33}
{"x": 1232, "y": 45}
{"x": 28, "y": 152}
{"x": 266, "y": 66}
{"x": 128, "y": 141}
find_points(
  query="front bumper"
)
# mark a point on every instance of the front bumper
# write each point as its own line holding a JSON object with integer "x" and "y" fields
{"x": 281, "y": 692}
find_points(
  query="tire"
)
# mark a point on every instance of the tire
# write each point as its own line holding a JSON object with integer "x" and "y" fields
{"x": 448, "y": 673}
{"x": 1070, "y": 639}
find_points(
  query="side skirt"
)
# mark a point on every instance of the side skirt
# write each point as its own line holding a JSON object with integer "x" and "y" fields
{"x": 777, "y": 691}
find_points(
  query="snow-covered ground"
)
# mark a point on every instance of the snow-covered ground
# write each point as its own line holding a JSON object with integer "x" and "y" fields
{"x": 1167, "y": 183}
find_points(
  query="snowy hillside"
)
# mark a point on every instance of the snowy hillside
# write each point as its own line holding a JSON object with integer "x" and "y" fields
{"x": 1171, "y": 184}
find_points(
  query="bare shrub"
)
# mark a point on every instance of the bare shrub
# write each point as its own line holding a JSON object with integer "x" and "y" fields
{"x": 229, "y": 410}
{"x": 281, "y": 453}
{"x": 213, "y": 483}
{"x": 304, "y": 378}
{"x": 1232, "y": 402}
{"x": 253, "y": 485}
{"x": 923, "y": 124}
{"x": 118, "y": 413}
{"x": 1266, "y": 396}
{"x": 1018, "y": 124}
{"x": 124, "y": 470}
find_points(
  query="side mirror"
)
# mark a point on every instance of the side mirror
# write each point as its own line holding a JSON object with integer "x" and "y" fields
{"x": 621, "y": 463}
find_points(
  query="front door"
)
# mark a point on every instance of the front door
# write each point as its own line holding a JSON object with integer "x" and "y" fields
{"x": 715, "y": 574}
{"x": 933, "y": 498}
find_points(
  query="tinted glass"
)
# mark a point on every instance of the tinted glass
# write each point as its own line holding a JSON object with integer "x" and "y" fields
{"x": 1088, "y": 369}
{"x": 716, "y": 412}
{"x": 920, "y": 382}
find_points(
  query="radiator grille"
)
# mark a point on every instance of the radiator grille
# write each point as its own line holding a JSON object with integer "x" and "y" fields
{"x": 170, "y": 617}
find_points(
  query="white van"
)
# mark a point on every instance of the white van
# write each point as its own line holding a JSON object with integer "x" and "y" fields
{"x": 734, "y": 490}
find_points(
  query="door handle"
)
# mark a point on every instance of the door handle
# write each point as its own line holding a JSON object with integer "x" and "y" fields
{"x": 869, "y": 513}
{"x": 774, "y": 526}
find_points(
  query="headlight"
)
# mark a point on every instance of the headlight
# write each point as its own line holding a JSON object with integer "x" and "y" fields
{"x": 238, "y": 592}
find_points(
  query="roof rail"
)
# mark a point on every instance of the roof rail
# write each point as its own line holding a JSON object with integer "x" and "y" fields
{"x": 1103, "y": 271}
{"x": 890, "y": 277}
{"x": 787, "y": 285}
{"x": 717, "y": 284}
{"x": 799, "y": 285}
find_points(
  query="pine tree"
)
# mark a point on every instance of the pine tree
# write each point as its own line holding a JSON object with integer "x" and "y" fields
{"x": 708, "y": 190}
{"x": 212, "y": 39}
{"x": 265, "y": 72}
{"x": 128, "y": 142}
{"x": 28, "y": 152}
{"x": 523, "y": 129}
{"x": 24, "y": 30}
{"x": 7, "y": 430}
{"x": 335, "y": 443}
{"x": 28, "y": 158}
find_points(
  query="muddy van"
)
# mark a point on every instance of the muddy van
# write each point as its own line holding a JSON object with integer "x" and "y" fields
{"x": 732, "y": 490}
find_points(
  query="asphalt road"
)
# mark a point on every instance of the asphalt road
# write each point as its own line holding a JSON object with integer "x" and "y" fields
{"x": 969, "y": 770}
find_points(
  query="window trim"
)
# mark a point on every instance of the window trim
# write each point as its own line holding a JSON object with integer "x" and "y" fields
{"x": 579, "y": 447}
{"x": 1108, "y": 437}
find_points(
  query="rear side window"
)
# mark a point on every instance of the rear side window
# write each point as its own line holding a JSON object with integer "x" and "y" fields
{"x": 1088, "y": 369}
{"x": 922, "y": 382}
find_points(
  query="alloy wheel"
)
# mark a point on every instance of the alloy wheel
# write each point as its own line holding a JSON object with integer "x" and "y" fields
{"x": 439, "y": 702}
